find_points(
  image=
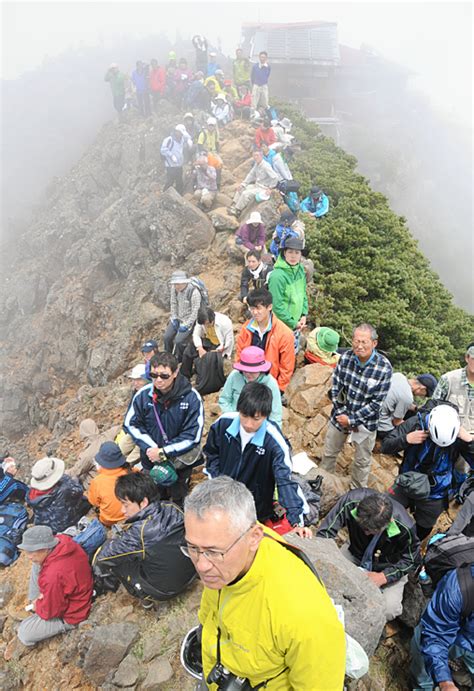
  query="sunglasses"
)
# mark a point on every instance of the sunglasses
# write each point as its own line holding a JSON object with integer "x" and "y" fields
{"x": 160, "y": 375}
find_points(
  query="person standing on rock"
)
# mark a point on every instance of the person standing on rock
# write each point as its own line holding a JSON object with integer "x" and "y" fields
{"x": 261, "y": 179}
{"x": 241, "y": 69}
{"x": 382, "y": 541}
{"x": 267, "y": 332}
{"x": 259, "y": 77}
{"x": 265, "y": 615}
{"x": 142, "y": 89}
{"x": 361, "y": 382}
{"x": 185, "y": 303}
{"x": 287, "y": 284}
{"x": 145, "y": 556}
{"x": 166, "y": 419}
{"x": 116, "y": 80}
{"x": 60, "y": 588}
{"x": 172, "y": 152}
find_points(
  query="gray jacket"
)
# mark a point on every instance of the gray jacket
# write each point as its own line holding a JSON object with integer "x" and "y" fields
{"x": 185, "y": 305}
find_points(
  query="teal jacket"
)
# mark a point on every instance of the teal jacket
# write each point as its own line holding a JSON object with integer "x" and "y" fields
{"x": 235, "y": 383}
{"x": 287, "y": 284}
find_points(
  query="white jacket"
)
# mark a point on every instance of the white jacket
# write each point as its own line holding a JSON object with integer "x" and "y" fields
{"x": 224, "y": 331}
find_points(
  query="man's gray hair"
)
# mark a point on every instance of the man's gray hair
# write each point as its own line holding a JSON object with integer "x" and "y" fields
{"x": 227, "y": 495}
{"x": 365, "y": 326}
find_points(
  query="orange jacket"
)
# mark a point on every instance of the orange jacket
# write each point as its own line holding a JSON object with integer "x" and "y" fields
{"x": 102, "y": 494}
{"x": 279, "y": 349}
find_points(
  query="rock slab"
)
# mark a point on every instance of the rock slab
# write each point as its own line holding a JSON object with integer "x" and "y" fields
{"x": 159, "y": 671}
{"x": 108, "y": 647}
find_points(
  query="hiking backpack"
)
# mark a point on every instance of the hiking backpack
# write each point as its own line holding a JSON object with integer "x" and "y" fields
{"x": 466, "y": 488}
{"x": 13, "y": 521}
{"x": 197, "y": 283}
{"x": 447, "y": 553}
{"x": 312, "y": 493}
{"x": 89, "y": 533}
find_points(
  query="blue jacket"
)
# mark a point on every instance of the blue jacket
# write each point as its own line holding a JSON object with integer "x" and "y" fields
{"x": 428, "y": 458}
{"x": 147, "y": 552}
{"x": 260, "y": 75}
{"x": 319, "y": 209}
{"x": 266, "y": 461}
{"x": 62, "y": 507}
{"x": 282, "y": 231}
{"x": 442, "y": 627}
{"x": 181, "y": 413}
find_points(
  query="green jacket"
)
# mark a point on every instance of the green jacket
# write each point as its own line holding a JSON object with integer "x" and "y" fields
{"x": 242, "y": 69}
{"x": 117, "y": 82}
{"x": 287, "y": 285}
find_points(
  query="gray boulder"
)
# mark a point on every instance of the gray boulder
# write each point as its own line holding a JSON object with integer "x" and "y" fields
{"x": 159, "y": 671}
{"x": 348, "y": 586}
{"x": 108, "y": 647}
{"x": 128, "y": 672}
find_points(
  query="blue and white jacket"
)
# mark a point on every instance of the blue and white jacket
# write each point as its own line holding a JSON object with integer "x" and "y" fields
{"x": 319, "y": 209}
{"x": 264, "y": 463}
{"x": 442, "y": 626}
{"x": 181, "y": 413}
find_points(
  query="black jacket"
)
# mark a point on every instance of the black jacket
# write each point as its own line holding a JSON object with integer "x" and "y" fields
{"x": 247, "y": 281}
{"x": 146, "y": 556}
{"x": 398, "y": 549}
{"x": 62, "y": 507}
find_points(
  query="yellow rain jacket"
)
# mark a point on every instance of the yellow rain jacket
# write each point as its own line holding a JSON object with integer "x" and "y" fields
{"x": 277, "y": 623}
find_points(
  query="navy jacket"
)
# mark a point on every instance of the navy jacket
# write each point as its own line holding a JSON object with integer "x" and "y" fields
{"x": 442, "y": 627}
{"x": 398, "y": 550}
{"x": 147, "y": 553}
{"x": 428, "y": 458}
{"x": 62, "y": 507}
{"x": 266, "y": 461}
{"x": 181, "y": 413}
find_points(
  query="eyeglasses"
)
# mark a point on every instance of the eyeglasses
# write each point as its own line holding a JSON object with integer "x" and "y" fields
{"x": 160, "y": 375}
{"x": 212, "y": 555}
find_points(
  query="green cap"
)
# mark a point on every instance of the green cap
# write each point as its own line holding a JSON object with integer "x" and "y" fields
{"x": 164, "y": 474}
{"x": 328, "y": 339}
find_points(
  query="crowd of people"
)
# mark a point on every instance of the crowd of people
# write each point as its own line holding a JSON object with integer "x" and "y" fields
{"x": 158, "y": 536}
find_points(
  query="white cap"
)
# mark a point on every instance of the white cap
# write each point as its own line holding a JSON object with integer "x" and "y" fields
{"x": 221, "y": 97}
{"x": 212, "y": 53}
{"x": 181, "y": 128}
{"x": 138, "y": 372}
{"x": 211, "y": 121}
{"x": 188, "y": 115}
{"x": 254, "y": 217}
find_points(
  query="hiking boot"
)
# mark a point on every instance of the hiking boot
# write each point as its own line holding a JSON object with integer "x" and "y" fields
{"x": 14, "y": 650}
{"x": 147, "y": 604}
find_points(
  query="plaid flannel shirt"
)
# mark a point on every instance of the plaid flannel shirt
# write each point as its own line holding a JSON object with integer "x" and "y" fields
{"x": 358, "y": 392}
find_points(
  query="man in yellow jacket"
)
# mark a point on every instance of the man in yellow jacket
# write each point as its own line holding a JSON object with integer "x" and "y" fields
{"x": 265, "y": 615}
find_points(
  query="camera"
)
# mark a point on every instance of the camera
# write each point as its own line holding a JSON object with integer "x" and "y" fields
{"x": 225, "y": 680}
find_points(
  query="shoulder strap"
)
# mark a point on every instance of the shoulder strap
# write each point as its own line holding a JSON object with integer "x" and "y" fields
{"x": 466, "y": 583}
{"x": 298, "y": 553}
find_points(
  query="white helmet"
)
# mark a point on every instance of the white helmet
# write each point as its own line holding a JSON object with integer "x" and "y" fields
{"x": 443, "y": 425}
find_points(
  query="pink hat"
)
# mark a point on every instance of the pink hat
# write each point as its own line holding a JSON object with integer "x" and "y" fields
{"x": 252, "y": 359}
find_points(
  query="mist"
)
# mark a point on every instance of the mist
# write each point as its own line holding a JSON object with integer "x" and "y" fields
{"x": 54, "y": 99}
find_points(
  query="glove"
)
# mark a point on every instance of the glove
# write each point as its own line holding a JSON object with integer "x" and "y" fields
{"x": 182, "y": 329}
{"x": 175, "y": 323}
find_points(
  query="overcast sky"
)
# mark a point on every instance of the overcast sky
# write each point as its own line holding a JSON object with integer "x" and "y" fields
{"x": 432, "y": 38}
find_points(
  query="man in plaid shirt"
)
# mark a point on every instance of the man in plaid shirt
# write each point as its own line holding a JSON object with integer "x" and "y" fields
{"x": 360, "y": 384}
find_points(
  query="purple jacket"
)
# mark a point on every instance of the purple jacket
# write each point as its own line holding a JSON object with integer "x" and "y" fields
{"x": 251, "y": 236}
{"x": 260, "y": 75}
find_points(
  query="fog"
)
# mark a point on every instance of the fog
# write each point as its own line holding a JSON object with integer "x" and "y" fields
{"x": 54, "y": 99}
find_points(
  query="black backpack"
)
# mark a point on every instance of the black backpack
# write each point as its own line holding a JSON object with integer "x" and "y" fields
{"x": 450, "y": 552}
{"x": 466, "y": 583}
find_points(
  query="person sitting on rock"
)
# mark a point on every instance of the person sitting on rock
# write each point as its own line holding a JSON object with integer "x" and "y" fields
{"x": 287, "y": 284}
{"x": 400, "y": 400}
{"x": 445, "y": 635}
{"x": 431, "y": 442}
{"x": 197, "y": 96}
{"x": 205, "y": 182}
{"x": 261, "y": 179}
{"x": 60, "y": 587}
{"x": 124, "y": 441}
{"x": 243, "y": 104}
{"x": 145, "y": 555}
{"x": 464, "y": 521}
{"x": 208, "y": 139}
{"x": 254, "y": 275}
{"x": 246, "y": 446}
{"x": 11, "y": 489}
{"x": 291, "y": 632}
{"x": 360, "y": 383}
{"x": 221, "y": 109}
{"x": 185, "y": 304}
{"x": 267, "y": 332}
{"x": 149, "y": 348}
{"x": 83, "y": 469}
{"x": 112, "y": 464}
{"x": 316, "y": 203}
{"x": 213, "y": 331}
{"x": 166, "y": 419}
{"x": 251, "y": 234}
{"x": 321, "y": 346}
{"x": 252, "y": 366}
{"x": 264, "y": 134}
{"x": 284, "y": 229}
{"x": 57, "y": 500}
{"x": 278, "y": 159}
{"x": 382, "y": 541}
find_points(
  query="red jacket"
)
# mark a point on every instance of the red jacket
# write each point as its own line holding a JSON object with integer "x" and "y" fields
{"x": 65, "y": 583}
{"x": 267, "y": 137}
{"x": 158, "y": 80}
{"x": 279, "y": 349}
